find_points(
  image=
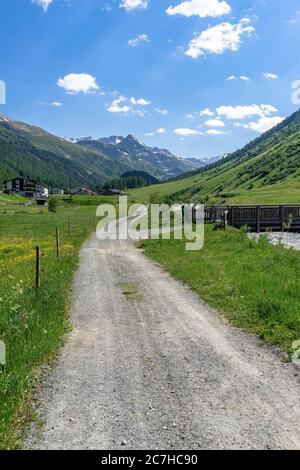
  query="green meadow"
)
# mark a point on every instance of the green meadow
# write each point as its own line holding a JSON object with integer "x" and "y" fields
{"x": 33, "y": 322}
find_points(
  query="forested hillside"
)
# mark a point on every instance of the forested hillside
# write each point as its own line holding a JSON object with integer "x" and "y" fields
{"x": 131, "y": 179}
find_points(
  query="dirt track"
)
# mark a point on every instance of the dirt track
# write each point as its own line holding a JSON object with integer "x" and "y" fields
{"x": 148, "y": 365}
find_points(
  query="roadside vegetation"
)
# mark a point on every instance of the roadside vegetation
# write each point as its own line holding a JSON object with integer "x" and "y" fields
{"x": 254, "y": 284}
{"x": 33, "y": 322}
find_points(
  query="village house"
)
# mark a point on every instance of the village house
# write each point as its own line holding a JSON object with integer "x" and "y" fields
{"x": 111, "y": 192}
{"x": 25, "y": 187}
{"x": 57, "y": 191}
{"x": 41, "y": 191}
{"x": 82, "y": 192}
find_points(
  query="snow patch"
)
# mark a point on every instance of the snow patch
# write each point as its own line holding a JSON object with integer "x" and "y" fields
{"x": 4, "y": 119}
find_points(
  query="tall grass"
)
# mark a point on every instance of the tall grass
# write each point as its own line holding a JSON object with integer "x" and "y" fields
{"x": 33, "y": 322}
{"x": 254, "y": 284}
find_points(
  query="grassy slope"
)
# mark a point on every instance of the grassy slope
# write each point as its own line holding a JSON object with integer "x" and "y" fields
{"x": 266, "y": 171}
{"x": 286, "y": 192}
{"x": 9, "y": 199}
{"x": 32, "y": 324}
{"x": 255, "y": 285}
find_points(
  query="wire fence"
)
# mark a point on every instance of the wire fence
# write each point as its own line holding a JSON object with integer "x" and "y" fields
{"x": 46, "y": 238}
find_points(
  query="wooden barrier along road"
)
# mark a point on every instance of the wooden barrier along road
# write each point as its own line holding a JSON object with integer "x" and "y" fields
{"x": 258, "y": 218}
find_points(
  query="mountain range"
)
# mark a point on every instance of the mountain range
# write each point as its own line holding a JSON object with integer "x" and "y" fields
{"x": 30, "y": 151}
{"x": 130, "y": 151}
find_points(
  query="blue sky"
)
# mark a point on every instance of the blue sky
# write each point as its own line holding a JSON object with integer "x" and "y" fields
{"x": 200, "y": 77}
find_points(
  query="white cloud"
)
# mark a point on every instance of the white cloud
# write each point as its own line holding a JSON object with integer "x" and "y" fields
{"x": 214, "y": 123}
{"x": 138, "y": 40}
{"x": 270, "y": 76}
{"x": 140, "y": 102}
{"x": 242, "y": 112}
{"x": 296, "y": 18}
{"x": 190, "y": 116}
{"x": 43, "y": 3}
{"x": 206, "y": 112}
{"x": 116, "y": 108}
{"x": 75, "y": 83}
{"x": 131, "y": 5}
{"x": 263, "y": 124}
{"x": 241, "y": 77}
{"x": 159, "y": 131}
{"x": 194, "y": 115}
{"x": 201, "y": 8}
{"x": 56, "y": 104}
{"x": 216, "y": 132}
{"x": 218, "y": 39}
{"x": 123, "y": 105}
{"x": 245, "y": 20}
{"x": 185, "y": 132}
{"x": 139, "y": 112}
{"x": 163, "y": 112}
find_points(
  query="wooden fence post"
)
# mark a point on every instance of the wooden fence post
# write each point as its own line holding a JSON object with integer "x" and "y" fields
{"x": 282, "y": 219}
{"x": 57, "y": 242}
{"x": 224, "y": 220}
{"x": 258, "y": 219}
{"x": 37, "y": 267}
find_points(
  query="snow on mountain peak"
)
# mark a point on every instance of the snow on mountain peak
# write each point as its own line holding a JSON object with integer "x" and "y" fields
{"x": 4, "y": 119}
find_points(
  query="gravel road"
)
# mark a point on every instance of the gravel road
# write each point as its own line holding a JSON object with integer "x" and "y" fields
{"x": 149, "y": 366}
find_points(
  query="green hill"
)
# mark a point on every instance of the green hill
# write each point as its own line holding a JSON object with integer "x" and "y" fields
{"x": 267, "y": 170}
